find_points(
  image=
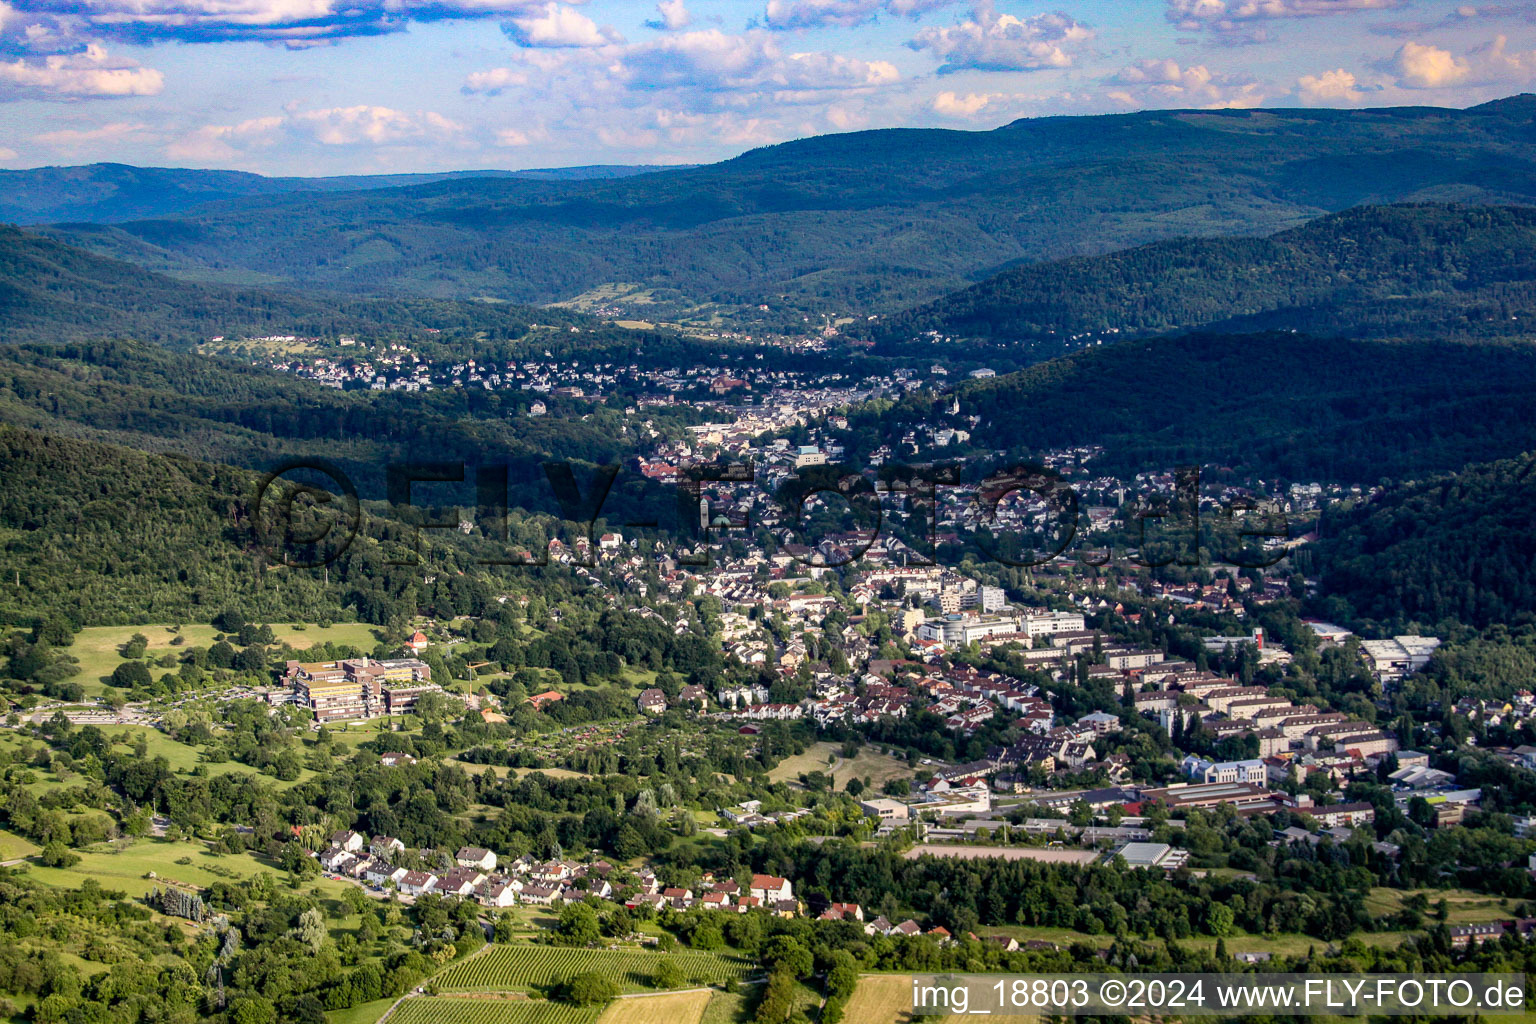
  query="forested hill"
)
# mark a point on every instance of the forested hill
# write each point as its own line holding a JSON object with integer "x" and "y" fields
{"x": 101, "y": 534}
{"x": 106, "y": 534}
{"x": 102, "y": 193}
{"x": 51, "y": 291}
{"x": 1426, "y": 270}
{"x": 1459, "y": 547}
{"x": 219, "y": 410}
{"x": 876, "y": 220}
{"x": 1279, "y": 404}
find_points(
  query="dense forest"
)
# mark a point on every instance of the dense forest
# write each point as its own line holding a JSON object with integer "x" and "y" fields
{"x": 1278, "y": 404}
{"x": 106, "y": 534}
{"x": 1426, "y": 271}
{"x": 99, "y": 534}
{"x": 877, "y": 220}
{"x": 1459, "y": 547}
{"x": 218, "y": 409}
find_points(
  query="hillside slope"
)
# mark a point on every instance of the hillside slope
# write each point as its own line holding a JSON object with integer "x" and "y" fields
{"x": 1458, "y": 547}
{"x": 115, "y": 535}
{"x": 875, "y": 220}
{"x": 217, "y": 409}
{"x": 1286, "y": 405}
{"x": 51, "y": 291}
{"x": 1426, "y": 270}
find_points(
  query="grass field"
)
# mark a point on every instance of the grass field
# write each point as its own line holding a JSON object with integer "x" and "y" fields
{"x": 185, "y": 759}
{"x": 1464, "y": 907}
{"x": 728, "y": 1008}
{"x": 672, "y": 1008}
{"x": 181, "y": 757}
{"x": 125, "y": 865}
{"x": 881, "y": 1000}
{"x": 814, "y": 759}
{"x": 363, "y": 1013}
{"x": 96, "y": 646}
{"x": 464, "y": 1010}
{"x": 13, "y": 847}
{"x": 887, "y": 999}
{"x": 876, "y": 766}
{"x": 869, "y": 763}
{"x": 522, "y": 967}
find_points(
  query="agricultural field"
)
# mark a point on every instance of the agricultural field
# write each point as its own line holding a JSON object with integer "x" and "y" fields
{"x": 672, "y": 1008}
{"x": 1290, "y": 944}
{"x": 504, "y": 967}
{"x": 362, "y": 1013}
{"x": 887, "y": 999}
{"x": 729, "y": 1008}
{"x": 467, "y": 1010}
{"x": 827, "y": 758}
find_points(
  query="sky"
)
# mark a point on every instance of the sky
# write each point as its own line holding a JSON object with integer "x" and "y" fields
{"x": 304, "y": 87}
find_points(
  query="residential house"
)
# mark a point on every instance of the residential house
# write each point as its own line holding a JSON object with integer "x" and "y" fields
{"x": 475, "y": 857}
{"x": 350, "y": 841}
{"x": 770, "y": 888}
{"x": 414, "y": 883}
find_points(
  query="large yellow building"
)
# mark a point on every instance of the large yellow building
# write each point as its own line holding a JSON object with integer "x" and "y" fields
{"x": 358, "y": 687}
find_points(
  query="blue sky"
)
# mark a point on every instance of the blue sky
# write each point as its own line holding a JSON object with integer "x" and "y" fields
{"x": 364, "y": 86}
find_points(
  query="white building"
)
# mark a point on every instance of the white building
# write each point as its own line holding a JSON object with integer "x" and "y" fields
{"x": 1201, "y": 770}
{"x": 959, "y": 630}
{"x": 1049, "y": 623}
{"x": 1400, "y": 656}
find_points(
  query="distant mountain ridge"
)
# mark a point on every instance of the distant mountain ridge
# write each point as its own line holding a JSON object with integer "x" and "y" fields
{"x": 874, "y": 221}
{"x": 108, "y": 192}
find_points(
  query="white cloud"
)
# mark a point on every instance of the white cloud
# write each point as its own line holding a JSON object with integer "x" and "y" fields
{"x": 1165, "y": 83}
{"x": 793, "y": 14}
{"x": 375, "y": 126}
{"x": 1494, "y": 62}
{"x": 362, "y": 125}
{"x": 844, "y": 119}
{"x": 951, "y": 105}
{"x": 673, "y": 16}
{"x": 1241, "y": 15}
{"x": 493, "y": 81}
{"x": 1336, "y": 86}
{"x": 219, "y": 143}
{"x": 511, "y": 137}
{"x": 708, "y": 62}
{"x": 558, "y": 25}
{"x": 115, "y": 134}
{"x": 1421, "y": 66}
{"x": 87, "y": 75}
{"x": 1426, "y": 66}
{"x": 998, "y": 107}
{"x": 1002, "y": 42}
